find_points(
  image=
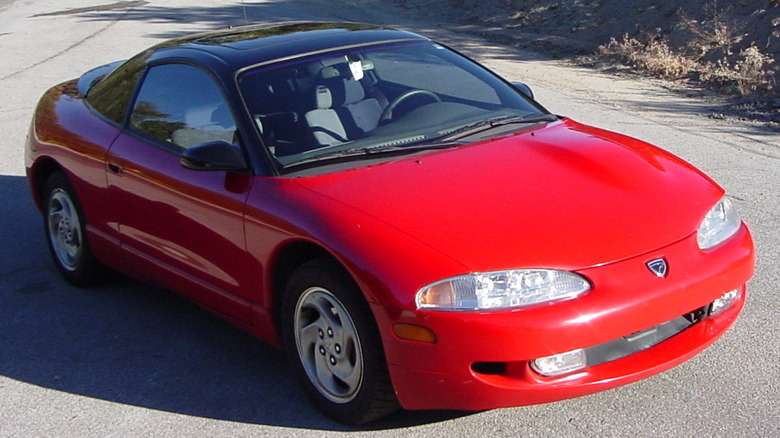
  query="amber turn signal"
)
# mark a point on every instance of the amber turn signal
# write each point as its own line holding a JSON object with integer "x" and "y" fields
{"x": 414, "y": 333}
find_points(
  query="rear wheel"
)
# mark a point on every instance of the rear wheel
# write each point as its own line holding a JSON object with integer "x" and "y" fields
{"x": 65, "y": 233}
{"x": 332, "y": 340}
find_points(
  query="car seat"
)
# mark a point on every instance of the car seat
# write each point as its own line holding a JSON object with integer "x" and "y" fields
{"x": 342, "y": 112}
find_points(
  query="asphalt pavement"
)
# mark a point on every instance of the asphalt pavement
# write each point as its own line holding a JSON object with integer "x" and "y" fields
{"x": 128, "y": 359}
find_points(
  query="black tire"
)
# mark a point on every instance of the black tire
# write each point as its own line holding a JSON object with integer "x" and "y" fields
{"x": 332, "y": 341}
{"x": 65, "y": 228}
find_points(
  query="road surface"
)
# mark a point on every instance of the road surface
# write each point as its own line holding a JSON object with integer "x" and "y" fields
{"x": 128, "y": 359}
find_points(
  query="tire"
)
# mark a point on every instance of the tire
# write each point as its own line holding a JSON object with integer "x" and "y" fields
{"x": 332, "y": 341}
{"x": 65, "y": 234}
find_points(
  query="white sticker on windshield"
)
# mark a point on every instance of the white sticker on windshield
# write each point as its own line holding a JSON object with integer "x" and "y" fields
{"x": 357, "y": 70}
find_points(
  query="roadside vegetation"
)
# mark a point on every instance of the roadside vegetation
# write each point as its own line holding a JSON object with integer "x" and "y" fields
{"x": 732, "y": 47}
{"x": 718, "y": 52}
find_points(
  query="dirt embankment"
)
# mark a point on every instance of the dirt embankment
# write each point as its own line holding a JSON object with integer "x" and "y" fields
{"x": 731, "y": 46}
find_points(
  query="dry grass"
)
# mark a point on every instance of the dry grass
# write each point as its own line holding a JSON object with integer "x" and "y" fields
{"x": 717, "y": 32}
{"x": 747, "y": 72}
{"x": 653, "y": 56}
{"x": 747, "y": 75}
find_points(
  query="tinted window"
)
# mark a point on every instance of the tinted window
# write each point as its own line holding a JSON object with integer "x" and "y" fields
{"x": 111, "y": 96}
{"x": 340, "y": 105}
{"x": 434, "y": 69}
{"x": 182, "y": 105}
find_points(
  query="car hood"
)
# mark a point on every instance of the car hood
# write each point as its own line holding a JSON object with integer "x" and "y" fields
{"x": 564, "y": 196}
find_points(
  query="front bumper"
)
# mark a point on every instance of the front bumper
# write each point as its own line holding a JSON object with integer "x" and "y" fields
{"x": 481, "y": 359}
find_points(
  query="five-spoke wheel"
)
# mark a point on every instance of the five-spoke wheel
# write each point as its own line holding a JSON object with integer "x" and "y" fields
{"x": 64, "y": 229}
{"x": 328, "y": 345}
{"x": 333, "y": 342}
{"x": 65, "y": 232}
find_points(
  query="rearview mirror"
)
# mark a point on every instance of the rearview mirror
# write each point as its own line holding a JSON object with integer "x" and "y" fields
{"x": 215, "y": 155}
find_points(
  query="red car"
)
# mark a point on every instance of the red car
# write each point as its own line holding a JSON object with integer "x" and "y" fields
{"x": 413, "y": 230}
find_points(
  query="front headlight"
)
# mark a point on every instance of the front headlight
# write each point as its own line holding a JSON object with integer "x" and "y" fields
{"x": 501, "y": 289}
{"x": 718, "y": 225}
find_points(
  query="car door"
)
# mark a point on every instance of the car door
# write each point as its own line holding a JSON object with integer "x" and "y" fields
{"x": 185, "y": 227}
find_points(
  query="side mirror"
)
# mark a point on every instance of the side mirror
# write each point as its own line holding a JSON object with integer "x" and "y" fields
{"x": 215, "y": 155}
{"x": 523, "y": 88}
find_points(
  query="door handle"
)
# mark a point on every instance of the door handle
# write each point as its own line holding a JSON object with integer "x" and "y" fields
{"x": 115, "y": 168}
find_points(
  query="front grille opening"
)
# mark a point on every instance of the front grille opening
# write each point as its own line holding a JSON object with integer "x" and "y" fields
{"x": 489, "y": 368}
{"x": 638, "y": 341}
{"x": 612, "y": 350}
{"x": 698, "y": 314}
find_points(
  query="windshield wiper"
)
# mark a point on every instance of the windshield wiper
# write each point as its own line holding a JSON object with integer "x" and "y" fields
{"x": 411, "y": 145}
{"x": 484, "y": 125}
{"x": 347, "y": 154}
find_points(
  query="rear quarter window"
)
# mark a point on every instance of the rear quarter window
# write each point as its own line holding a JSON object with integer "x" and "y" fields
{"x": 111, "y": 96}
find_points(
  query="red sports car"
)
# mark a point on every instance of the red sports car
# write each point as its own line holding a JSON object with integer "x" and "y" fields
{"x": 412, "y": 229}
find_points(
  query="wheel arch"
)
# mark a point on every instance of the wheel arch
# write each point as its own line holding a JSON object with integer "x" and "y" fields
{"x": 42, "y": 170}
{"x": 289, "y": 258}
{"x": 285, "y": 262}
{"x": 325, "y": 269}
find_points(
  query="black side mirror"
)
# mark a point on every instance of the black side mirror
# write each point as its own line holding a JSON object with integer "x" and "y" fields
{"x": 523, "y": 88}
{"x": 215, "y": 155}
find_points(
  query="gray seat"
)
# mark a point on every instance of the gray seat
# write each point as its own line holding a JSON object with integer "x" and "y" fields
{"x": 342, "y": 113}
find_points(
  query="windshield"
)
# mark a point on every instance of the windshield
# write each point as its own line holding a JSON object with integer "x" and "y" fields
{"x": 369, "y": 100}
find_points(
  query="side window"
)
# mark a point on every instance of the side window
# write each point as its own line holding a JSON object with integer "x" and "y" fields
{"x": 182, "y": 105}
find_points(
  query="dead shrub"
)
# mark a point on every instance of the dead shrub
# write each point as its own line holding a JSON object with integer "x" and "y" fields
{"x": 707, "y": 56}
{"x": 749, "y": 74}
{"x": 653, "y": 56}
{"x": 716, "y": 32}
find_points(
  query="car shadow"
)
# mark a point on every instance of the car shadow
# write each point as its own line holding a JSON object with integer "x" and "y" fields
{"x": 130, "y": 343}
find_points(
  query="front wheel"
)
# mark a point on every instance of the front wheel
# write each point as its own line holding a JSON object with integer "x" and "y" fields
{"x": 66, "y": 236}
{"x": 332, "y": 340}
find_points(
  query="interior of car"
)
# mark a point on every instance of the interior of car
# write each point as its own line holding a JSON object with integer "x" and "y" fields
{"x": 372, "y": 99}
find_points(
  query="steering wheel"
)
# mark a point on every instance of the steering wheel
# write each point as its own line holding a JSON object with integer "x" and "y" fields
{"x": 388, "y": 112}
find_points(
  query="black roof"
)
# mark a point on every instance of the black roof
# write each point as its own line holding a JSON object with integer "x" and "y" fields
{"x": 257, "y": 44}
{"x": 227, "y": 52}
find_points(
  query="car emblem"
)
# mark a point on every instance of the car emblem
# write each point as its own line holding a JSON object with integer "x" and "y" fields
{"x": 658, "y": 267}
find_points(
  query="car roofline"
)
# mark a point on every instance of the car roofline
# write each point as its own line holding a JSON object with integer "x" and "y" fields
{"x": 255, "y": 45}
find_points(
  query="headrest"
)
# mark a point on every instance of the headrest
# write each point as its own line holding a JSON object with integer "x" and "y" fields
{"x": 339, "y": 92}
{"x": 323, "y": 98}
{"x": 352, "y": 92}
